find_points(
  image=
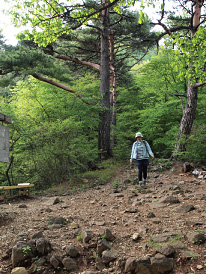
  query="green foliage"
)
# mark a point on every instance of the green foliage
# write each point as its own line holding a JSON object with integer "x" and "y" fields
{"x": 27, "y": 251}
{"x": 47, "y": 21}
{"x": 103, "y": 237}
{"x": 98, "y": 176}
{"x": 51, "y": 134}
{"x": 150, "y": 108}
{"x": 105, "y": 171}
{"x": 79, "y": 237}
{"x": 154, "y": 244}
{"x": 196, "y": 144}
{"x": 46, "y": 16}
{"x": 145, "y": 3}
{"x": 191, "y": 53}
{"x": 153, "y": 108}
{"x": 26, "y": 59}
{"x": 50, "y": 20}
{"x": 160, "y": 125}
{"x": 116, "y": 183}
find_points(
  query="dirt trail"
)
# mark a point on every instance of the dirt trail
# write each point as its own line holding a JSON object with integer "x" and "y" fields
{"x": 124, "y": 209}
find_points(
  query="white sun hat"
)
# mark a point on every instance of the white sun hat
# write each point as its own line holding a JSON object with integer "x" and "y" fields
{"x": 138, "y": 134}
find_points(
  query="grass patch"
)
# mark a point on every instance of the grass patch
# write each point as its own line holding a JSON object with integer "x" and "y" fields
{"x": 106, "y": 172}
{"x": 153, "y": 244}
{"x": 162, "y": 164}
{"x": 79, "y": 237}
{"x": 178, "y": 238}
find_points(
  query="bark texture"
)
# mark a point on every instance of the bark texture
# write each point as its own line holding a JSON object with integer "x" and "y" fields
{"x": 105, "y": 114}
{"x": 192, "y": 91}
{"x": 187, "y": 119}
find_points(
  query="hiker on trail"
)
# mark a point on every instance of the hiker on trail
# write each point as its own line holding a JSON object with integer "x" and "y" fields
{"x": 140, "y": 152}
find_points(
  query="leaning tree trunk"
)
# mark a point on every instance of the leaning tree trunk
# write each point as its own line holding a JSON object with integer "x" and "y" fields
{"x": 104, "y": 145}
{"x": 192, "y": 90}
{"x": 187, "y": 119}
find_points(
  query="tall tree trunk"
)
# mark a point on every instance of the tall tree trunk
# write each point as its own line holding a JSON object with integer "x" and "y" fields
{"x": 113, "y": 92}
{"x": 104, "y": 145}
{"x": 187, "y": 119}
{"x": 192, "y": 91}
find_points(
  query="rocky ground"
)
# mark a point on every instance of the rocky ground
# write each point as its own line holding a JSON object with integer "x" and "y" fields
{"x": 113, "y": 228}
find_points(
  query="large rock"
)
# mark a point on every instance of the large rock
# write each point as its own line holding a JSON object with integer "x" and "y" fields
{"x": 162, "y": 238}
{"x": 25, "y": 250}
{"x": 57, "y": 220}
{"x": 143, "y": 269}
{"x": 72, "y": 251}
{"x": 102, "y": 246}
{"x": 187, "y": 167}
{"x": 20, "y": 252}
{"x": 56, "y": 201}
{"x": 99, "y": 263}
{"x": 54, "y": 262}
{"x": 69, "y": 264}
{"x": 167, "y": 250}
{"x": 19, "y": 270}
{"x": 141, "y": 265}
{"x": 108, "y": 235}
{"x": 185, "y": 208}
{"x": 32, "y": 244}
{"x": 86, "y": 236}
{"x": 196, "y": 237}
{"x": 109, "y": 256}
{"x": 38, "y": 235}
{"x": 130, "y": 265}
{"x": 42, "y": 246}
{"x": 40, "y": 262}
{"x": 170, "y": 200}
{"x": 161, "y": 265}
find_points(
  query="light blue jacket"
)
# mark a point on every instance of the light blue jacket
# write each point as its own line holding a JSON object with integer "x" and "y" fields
{"x": 146, "y": 150}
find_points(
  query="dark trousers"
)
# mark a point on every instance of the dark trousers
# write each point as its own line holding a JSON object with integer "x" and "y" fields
{"x": 142, "y": 167}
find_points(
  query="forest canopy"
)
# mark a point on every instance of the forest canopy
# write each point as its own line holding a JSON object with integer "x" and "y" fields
{"x": 86, "y": 76}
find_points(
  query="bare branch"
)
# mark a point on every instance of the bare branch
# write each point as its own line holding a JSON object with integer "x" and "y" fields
{"x": 170, "y": 31}
{"x": 94, "y": 27}
{"x": 139, "y": 60}
{"x": 77, "y": 61}
{"x": 94, "y": 13}
{"x": 62, "y": 86}
{"x": 179, "y": 95}
{"x": 5, "y": 72}
{"x": 184, "y": 8}
{"x": 163, "y": 11}
{"x": 167, "y": 31}
{"x": 197, "y": 85}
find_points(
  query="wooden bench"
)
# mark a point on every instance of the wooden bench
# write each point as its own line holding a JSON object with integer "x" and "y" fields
{"x": 24, "y": 189}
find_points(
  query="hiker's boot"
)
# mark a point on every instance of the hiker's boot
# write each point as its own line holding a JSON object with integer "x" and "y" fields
{"x": 140, "y": 183}
{"x": 144, "y": 182}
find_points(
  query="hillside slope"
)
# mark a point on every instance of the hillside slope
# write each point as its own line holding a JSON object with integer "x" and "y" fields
{"x": 145, "y": 222}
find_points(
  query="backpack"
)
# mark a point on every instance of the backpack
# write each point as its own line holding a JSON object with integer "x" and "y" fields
{"x": 144, "y": 142}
